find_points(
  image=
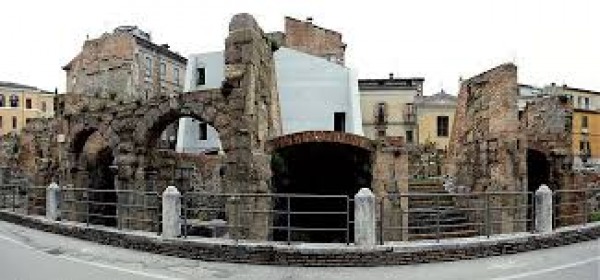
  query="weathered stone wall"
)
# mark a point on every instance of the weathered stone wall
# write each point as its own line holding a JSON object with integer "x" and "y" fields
{"x": 547, "y": 125}
{"x": 483, "y": 149}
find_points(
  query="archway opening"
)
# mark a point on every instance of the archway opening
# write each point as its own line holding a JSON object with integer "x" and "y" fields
{"x": 538, "y": 173}
{"x": 177, "y": 159}
{"x": 102, "y": 194}
{"x": 538, "y": 169}
{"x": 325, "y": 168}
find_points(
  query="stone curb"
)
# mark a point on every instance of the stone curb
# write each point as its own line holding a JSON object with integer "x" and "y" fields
{"x": 273, "y": 253}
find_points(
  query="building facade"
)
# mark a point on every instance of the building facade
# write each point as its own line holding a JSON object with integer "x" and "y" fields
{"x": 125, "y": 65}
{"x": 314, "y": 95}
{"x": 435, "y": 116}
{"x": 21, "y": 103}
{"x": 586, "y": 139}
{"x": 387, "y": 107}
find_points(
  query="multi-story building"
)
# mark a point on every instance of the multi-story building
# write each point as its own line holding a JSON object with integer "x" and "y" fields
{"x": 314, "y": 94}
{"x": 20, "y": 103}
{"x": 306, "y": 37}
{"x": 435, "y": 116}
{"x": 586, "y": 138}
{"x": 387, "y": 107}
{"x": 585, "y": 123}
{"x": 582, "y": 98}
{"x": 126, "y": 65}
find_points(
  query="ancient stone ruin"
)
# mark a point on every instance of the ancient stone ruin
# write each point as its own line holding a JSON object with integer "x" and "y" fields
{"x": 111, "y": 145}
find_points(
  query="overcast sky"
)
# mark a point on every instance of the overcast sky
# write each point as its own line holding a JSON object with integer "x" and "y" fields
{"x": 440, "y": 40}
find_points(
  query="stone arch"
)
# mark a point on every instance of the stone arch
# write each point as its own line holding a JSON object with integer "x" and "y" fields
{"x": 159, "y": 116}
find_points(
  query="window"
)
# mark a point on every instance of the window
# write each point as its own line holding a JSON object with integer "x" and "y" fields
{"x": 163, "y": 70}
{"x": 28, "y": 103}
{"x": 584, "y": 148}
{"x": 584, "y": 121}
{"x": 203, "y": 131}
{"x": 586, "y": 103}
{"x": 14, "y": 122}
{"x": 200, "y": 76}
{"x": 409, "y": 136}
{"x": 380, "y": 113}
{"x": 176, "y": 75}
{"x": 442, "y": 126}
{"x": 339, "y": 121}
{"x": 579, "y": 102}
{"x": 381, "y": 133}
{"x": 44, "y": 108}
{"x": 2, "y": 101}
{"x": 148, "y": 66}
{"x": 14, "y": 101}
{"x": 1, "y": 121}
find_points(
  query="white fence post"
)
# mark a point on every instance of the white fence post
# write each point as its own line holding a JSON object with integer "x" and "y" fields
{"x": 52, "y": 198}
{"x": 171, "y": 211}
{"x": 364, "y": 218}
{"x": 543, "y": 209}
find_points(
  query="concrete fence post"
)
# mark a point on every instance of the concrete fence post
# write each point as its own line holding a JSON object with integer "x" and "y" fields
{"x": 364, "y": 218}
{"x": 543, "y": 209}
{"x": 171, "y": 212}
{"x": 52, "y": 199}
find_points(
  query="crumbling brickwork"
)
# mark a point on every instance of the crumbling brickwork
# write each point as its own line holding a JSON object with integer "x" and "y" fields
{"x": 125, "y": 65}
{"x": 96, "y": 138}
{"x": 306, "y": 37}
{"x": 483, "y": 148}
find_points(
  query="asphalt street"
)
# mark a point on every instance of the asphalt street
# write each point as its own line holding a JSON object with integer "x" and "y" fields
{"x": 29, "y": 254}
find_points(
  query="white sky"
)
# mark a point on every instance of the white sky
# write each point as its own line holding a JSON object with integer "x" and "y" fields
{"x": 441, "y": 40}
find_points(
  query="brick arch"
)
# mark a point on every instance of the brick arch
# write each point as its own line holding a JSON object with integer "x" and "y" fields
{"x": 321, "y": 137}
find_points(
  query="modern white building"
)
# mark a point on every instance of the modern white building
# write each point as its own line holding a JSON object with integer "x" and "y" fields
{"x": 315, "y": 94}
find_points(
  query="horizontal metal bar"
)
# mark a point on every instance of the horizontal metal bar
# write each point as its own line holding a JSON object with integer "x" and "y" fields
{"x": 308, "y": 229}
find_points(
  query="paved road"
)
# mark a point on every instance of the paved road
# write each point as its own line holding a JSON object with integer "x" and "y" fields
{"x": 29, "y": 254}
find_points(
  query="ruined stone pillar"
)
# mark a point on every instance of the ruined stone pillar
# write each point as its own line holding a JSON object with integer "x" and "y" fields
{"x": 543, "y": 209}
{"x": 52, "y": 199}
{"x": 364, "y": 218}
{"x": 252, "y": 118}
{"x": 171, "y": 213}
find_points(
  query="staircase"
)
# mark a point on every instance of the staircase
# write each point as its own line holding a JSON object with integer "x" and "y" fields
{"x": 435, "y": 215}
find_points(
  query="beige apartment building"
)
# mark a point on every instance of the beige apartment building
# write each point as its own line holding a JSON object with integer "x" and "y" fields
{"x": 435, "y": 116}
{"x": 387, "y": 107}
{"x": 20, "y": 103}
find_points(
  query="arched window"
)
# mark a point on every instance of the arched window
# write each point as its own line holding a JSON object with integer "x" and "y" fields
{"x": 2, "y": 101}
{"x": 14, "y": 101}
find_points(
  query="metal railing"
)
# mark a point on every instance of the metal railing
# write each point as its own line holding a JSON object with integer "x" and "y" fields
{"x": 18, "y": 198}
{"x": 415, "y": 216}
{"x": 309, "y": 218}
{"x": 123, "y": 209}
{"x": 574, "y": 207}
{"x": 286, "y": 217}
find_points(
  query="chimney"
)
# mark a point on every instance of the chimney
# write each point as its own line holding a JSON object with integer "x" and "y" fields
{"x": 391, "y": 76}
